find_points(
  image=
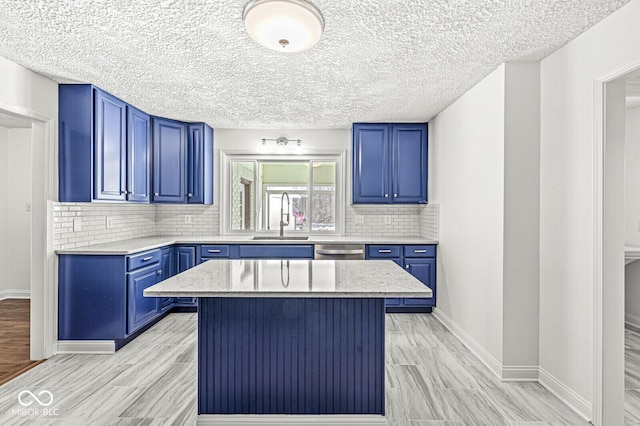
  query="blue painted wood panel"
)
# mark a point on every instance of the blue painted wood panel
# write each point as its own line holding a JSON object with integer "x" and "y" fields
{"x": 290, "y": 356}
{"x": 138, "y": 155}
{"x": 409, "y": 163}
{"x": 75, "y": 142}
{"x": 425, "y": 271}
{"x": 275, "y": 251}
{"x": 185, "y": 259}
{"x": 141, "y": 310}
{"x": 92, "y": 297}
{"x": 370, "y": 163}
{"x": 110, "y": 147}
{"x": 169, "y": 161}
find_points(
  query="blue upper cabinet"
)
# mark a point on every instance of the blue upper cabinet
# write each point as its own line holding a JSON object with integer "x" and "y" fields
{"x": 110, "y": 147}
{"x": 107, "y": 150}
{"x": 169, "y": 161}
{"x": 138, "y": 155}
{"x": 104, "y": 147}
{"x": 199, "y": 164}
{"x": 389, "y": 163}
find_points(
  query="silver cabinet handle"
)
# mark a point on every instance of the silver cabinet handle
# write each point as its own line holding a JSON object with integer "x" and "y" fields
{"x": 324, "y": 251}
{"x": 407, "y": 266}
{"x": 419, "y": 251}
{"x": 147, "y": 258}
{"x": 384, "y": 251}
{"x": 213, "y": 251}
{"x": 160, "y": 272}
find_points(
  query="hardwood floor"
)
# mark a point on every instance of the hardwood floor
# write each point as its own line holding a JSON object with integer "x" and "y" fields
{"x": 14, "y": 338}
{"x": 432, "y": 379}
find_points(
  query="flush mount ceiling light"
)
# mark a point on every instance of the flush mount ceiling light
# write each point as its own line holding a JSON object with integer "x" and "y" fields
{"x": 284, "y": 25}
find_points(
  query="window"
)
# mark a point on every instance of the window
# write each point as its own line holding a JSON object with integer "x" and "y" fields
{"x": 260, "y": 186}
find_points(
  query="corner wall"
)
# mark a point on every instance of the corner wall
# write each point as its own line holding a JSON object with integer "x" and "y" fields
{"x": 466, "y": 154}
{"x": 4, "y": 211}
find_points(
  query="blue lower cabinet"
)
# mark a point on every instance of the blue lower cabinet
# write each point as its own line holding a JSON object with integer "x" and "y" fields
{"x": 185, "y": 259}
{"x": 275, "y": 251}
{"x": 425, "y": 271}
{"x": 141, "y": 310}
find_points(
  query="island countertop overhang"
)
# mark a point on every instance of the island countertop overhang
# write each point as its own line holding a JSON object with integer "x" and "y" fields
{"x": 292, "y": 278}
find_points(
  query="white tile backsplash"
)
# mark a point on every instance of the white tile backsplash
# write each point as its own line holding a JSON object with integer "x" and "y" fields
{"x": 144, "y": 220}
{"x": 170, "y": 220}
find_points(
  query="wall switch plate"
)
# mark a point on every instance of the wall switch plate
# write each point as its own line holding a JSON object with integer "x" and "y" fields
{"x": 359, "y": 219}
{"x": 77, "y": 224}
{"x": 109, "y": 222}
{"x": 187, "y": 218}
{"x": 387, "y": 219}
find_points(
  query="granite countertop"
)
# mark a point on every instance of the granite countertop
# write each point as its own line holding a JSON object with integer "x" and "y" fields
{"x": 292, "y": 278}
{"x": 142, "y": 244}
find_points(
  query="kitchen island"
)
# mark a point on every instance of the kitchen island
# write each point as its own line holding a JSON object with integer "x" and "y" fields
{"x": 295, "y": 340}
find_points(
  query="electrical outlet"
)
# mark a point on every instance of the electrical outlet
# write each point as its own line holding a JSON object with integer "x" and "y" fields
{"x": 109, "y": 222}
{"x": 77, "y": 224}
{"x": 187, "y": 218}
{"x": 359, "y": 219}
{"x": 387, "y": 219}
{"x": 28, "y": 207}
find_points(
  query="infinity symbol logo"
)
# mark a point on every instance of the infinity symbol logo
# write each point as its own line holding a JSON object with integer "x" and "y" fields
{"x": 28, "y": 403}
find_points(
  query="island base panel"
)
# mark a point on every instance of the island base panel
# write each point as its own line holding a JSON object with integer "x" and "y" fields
{"x": 290, "y": 356}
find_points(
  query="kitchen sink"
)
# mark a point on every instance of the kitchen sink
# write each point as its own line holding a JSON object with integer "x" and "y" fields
{"x": 280, "y": 238}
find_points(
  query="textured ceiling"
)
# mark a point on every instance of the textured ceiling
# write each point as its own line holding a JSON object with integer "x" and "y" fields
{"x": 11, "y": 122}
{"x": 384, "y": 60}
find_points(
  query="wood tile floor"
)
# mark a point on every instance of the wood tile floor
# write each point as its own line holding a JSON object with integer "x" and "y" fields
{"x": 14, "y": 338}
{"x": 432, "y": 379}
{"x": 632, "y": 377}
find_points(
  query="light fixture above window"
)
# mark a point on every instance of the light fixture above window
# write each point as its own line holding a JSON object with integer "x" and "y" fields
{"x": 284, "y": 25}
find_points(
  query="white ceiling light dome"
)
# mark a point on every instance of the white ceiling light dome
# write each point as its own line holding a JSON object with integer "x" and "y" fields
{"x": 284, "y": 25}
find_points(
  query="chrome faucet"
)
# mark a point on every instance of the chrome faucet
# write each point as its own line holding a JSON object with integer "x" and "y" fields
{"x": 282, "y": 214}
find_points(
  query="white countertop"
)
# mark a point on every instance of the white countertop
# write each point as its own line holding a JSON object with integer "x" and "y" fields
{"x": 142, "y": 244}
{"x": 292, "y": 278}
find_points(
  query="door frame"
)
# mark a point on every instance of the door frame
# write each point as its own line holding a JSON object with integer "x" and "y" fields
{"x": 608, "y": 338}
{"x": 43, "y": 286}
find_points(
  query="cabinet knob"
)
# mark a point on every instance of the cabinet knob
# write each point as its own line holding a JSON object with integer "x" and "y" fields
{"x": 407, "y": 266}
{"x": 395, "y": 195}
{"x": 159, "y": 271}
{"x": 155, "y": 194}
{"x": 386, "y": 195}
{"x": 189, "y": 195}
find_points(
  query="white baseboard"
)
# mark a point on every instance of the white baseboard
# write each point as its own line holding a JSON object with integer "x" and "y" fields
{"x": 283, "y": 419}
{"x": 15, "y": 294}
{"x": 521, "y": 373}
{"x": 86, "y": 347}
{"x": 632, "y": 322}
{"x": 481, "y": 353}
{"x": 580, "y": 405}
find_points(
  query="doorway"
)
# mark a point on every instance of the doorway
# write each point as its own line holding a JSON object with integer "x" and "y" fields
{"x": 27, "y": 144}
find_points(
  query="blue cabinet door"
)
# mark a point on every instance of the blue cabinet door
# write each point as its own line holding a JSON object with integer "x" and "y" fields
{"x": 370, "y": 163}
{"x": 138, "y": 155}
{"x": 110, "y": 145}
{"x": 425, "y": 271}
{"x": 199, "y": 164}
{"x": 185, "y": 259}
{"x": 169, "y": 161}
{"x": 409, "y": 165}
{"x": 167, "y": 264}
{"x": 141, "y": 310}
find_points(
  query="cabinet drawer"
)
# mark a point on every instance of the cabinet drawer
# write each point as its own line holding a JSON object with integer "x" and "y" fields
{"x": 420, "y": 251}
{"x": 214, "y": 251}
{"x": 143, "y": 259}
{"x": 383, "y": 251}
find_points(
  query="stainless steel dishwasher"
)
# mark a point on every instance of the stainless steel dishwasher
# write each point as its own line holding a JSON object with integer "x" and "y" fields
{"x": 339, "y": 251}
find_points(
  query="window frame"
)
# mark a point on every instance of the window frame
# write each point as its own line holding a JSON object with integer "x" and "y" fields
{"x": 226, "y": 159}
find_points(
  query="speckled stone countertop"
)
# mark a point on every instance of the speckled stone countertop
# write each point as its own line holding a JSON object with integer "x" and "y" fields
{"x": 142, "y": 244}
{"x": 292, "y": 278}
